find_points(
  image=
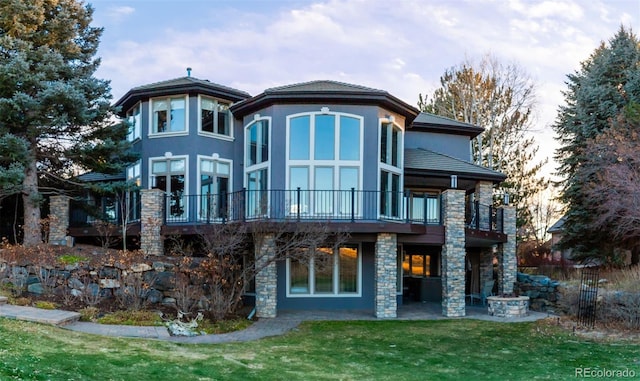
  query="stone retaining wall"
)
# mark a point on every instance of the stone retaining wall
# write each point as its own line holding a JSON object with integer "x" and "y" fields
{"x": 541, "y": 289}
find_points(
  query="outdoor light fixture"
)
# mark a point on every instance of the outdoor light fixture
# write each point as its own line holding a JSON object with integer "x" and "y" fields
{"x": 168, "y": 154}
{"x": 215, "y": 156}
{"x": 454, "y": 181}
{"x": 324, "y": 110}
{"x": 506, "y": 198}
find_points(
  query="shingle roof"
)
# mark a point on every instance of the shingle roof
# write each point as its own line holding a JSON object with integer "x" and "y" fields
{"x": 90, "y": 177}
{"x": 181, "y": 85}
{"x": 325, "y": 91}
{"x": 422, "y": 159}
{"x": 558, "y": 226}
{"x": 323, "y": 85}
{"x": 186, "y": 81}
{"x": 436, "y": 123}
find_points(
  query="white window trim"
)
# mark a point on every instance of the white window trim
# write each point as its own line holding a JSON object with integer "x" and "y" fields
{"x": 186, "y": 179}
{"x": 229, "y": 137}
{"x": 336, "y": 163}
{"x": 139, "y": 128}
{"x": 336, "y": 280}
{"x": 388, "y": 167}
{"x": 266, "y": 164}
{"x": 200, "y": 158}
{"x": 152, "y": 134}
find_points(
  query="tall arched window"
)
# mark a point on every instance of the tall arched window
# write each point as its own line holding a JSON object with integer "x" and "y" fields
{"x": 324, "y": 163}
{"x": 257, "y": 143}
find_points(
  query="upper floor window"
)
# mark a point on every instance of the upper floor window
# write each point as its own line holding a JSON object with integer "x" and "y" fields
{"x": 257, "y": 142}
{"x": 390, "y": 144}
{"x": 135, "y": 123}
{"x": 214, "y": 117}
{"x": 169, "y": 115}
{"x": 319, "y": 136}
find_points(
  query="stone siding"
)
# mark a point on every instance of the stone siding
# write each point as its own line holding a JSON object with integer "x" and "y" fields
{"x": 386, "y": 276}
{"x": 151, "y": 220}
{"x": 266, "y": 278}
{"x": 58, "y": 219}
{"x": 453, "y": 254}
{"x": 508, "y": 263}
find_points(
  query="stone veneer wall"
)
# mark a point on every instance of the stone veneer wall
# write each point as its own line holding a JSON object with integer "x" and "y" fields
{"x": 266, "y": 278}
{"x": 58, "y": 219}
{"x": 386, "y": 275}
{"x": 453, "y": 253}
{"x": 484, "y": 196}
{"x": 507, "y": 261}
{"x": 151, "y": 220}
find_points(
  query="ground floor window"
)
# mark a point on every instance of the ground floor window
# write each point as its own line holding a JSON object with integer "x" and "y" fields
{"x": 325, "y": 272}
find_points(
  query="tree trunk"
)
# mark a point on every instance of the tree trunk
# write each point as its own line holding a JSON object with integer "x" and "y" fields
{"x": 31, "y": 204}
{"x": 635, "y": 256}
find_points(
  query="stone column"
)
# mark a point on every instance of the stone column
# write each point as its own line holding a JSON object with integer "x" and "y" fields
{"x": 58, "y": 219}
{"x": 151, "y": 221}
{"x": 484, "y": 196}
{"x": 453, "y": 253}
{"x": 266, "y": 278}
{"x": 386, "y": 275}
{"x": 507, "y": 261}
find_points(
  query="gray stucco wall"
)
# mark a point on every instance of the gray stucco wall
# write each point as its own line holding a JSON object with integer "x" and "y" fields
{"x": 453, "y": 145}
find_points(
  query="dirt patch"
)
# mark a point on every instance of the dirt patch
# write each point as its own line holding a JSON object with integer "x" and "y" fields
{"x": 599, "y": 332}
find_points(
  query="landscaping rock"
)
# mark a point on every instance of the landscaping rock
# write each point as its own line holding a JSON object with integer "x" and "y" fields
{"x": 75, "y": 283}
{"x": 35, "y": 288}
{"x": 140, "y": 267}
{"x": 154, "y": 296}
{"x": 109, "y": 272}
{"x": 109, "y": 283}
{"x": 162, "y": 281}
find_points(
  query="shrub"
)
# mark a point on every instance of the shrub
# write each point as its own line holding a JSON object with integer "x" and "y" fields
{"x": 89, "y": 314}
{"x": 140, "y": 317}
{"x": 45, "y": 305}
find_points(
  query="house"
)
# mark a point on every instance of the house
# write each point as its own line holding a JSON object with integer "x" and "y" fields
{"x": 419, "y": 213}
{"x": 556, "y": 231}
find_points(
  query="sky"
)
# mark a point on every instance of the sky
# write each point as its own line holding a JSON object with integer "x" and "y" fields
{"x": 401, "y": 46}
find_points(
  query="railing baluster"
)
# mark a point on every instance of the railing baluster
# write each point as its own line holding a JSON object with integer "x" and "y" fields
{"x": 353, "y": 208}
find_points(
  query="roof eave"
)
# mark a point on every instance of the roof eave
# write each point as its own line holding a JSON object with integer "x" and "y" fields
{"x": 470, "y": 131}
{"x": 346, "y": 97}
{"x": 496, "y": 178}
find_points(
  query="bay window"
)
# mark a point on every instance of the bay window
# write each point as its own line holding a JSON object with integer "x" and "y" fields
{"x": 257, "y": 167}
{"x": 168, "y": 115}
{"x": 169, "y": 175}
{"x": 390, "y": 170}
{"x": 214, "y": 187}
{"x": 135, "y": 123}
{"x": 324, "y": 152}
{"x": 214, "y": 117}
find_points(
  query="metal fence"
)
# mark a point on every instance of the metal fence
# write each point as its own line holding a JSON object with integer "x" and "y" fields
{"x": 484, "y": 217}
{"x": 298, "y": 204}
{"x": 587, "y": 301}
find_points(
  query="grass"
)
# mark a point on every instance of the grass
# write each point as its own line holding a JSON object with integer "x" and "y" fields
{"x": 134, "y": 317}
{"x": 367, "y": 350}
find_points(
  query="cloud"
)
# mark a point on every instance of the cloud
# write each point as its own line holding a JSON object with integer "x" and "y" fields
{"x": 119, "y": 13}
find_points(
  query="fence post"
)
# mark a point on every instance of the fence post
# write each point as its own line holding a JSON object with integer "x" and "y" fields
{"x": 244, "y": 204}
{"x": 353, "y": 206}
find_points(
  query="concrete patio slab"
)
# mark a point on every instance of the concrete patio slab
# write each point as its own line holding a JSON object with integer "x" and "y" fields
{"x": 38, "y": 315}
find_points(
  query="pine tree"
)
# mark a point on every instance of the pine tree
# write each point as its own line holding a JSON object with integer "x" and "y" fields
{"x": 50, "y": 99}
{"x": 606, "y": 82}
{"x": 501, "y": 99}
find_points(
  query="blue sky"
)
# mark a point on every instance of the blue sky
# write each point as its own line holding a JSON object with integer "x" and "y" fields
{"x": 400, "y": 46}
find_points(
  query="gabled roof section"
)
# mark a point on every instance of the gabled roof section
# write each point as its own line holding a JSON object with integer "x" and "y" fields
{"x": 91, "y": 177}
{"x": 325, "y": 91}
{"x": 435, "y": 123}
{"x": 189, "y": 85}
{"x": 558, "y": 226}
{"x": 420, "y": 160}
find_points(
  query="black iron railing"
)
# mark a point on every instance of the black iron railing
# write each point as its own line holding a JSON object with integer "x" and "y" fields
{"x": 484, "y": 217}
{"x": 298, "y": 205}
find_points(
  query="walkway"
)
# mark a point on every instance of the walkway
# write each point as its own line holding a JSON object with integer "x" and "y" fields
{"x": 286, "y": 321}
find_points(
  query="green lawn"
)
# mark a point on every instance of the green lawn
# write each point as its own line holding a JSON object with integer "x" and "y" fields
{"x": 367, "y": 350}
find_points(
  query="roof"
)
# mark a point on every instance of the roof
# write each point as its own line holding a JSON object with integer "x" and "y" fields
{"x": 558, "y": 226}
{"x": 435, "y": 123}
{"x": 180, "y": 85}
{"x": 90, "y": 177}
{"x": 440, "y": 164}
{"x": 325, "y": 91}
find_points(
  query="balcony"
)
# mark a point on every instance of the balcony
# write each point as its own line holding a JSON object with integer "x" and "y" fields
{"x": 304, "y": 205}
{"x": 485, "y": 218}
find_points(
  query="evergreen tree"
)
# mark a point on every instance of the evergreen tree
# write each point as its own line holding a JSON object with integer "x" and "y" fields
{"x": 50, "y": 99}
{"x": 607, "y": 82}
{"x": 501, "y": 99}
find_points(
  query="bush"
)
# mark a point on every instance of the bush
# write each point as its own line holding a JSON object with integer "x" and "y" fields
{"x": 45, "y": 305}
